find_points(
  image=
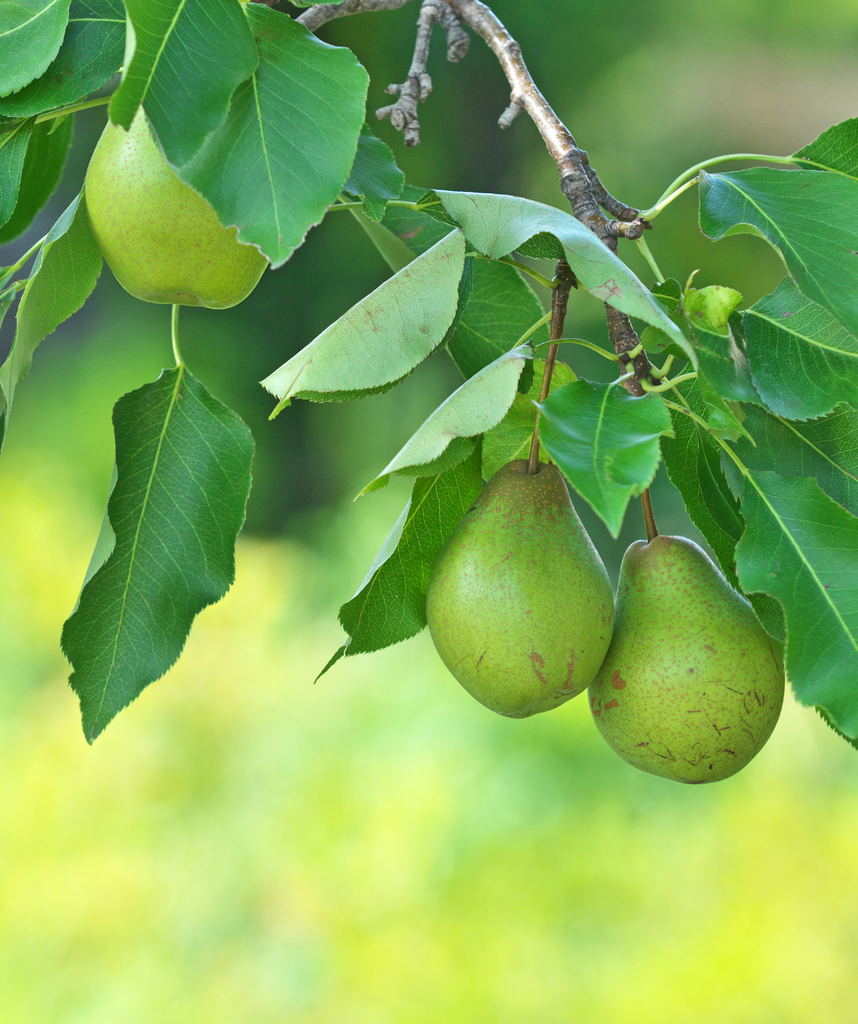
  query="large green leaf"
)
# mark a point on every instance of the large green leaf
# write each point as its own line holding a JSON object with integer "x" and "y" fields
{"x": 803, "y": 361}
{"x": 810, "y": 217}
{"x": 801, "y": 547}
{"x": 43, "y": 167}
{"x": 182, "y": 480}
{"x": 605, "y": 443}
{"x": 14, "y": 140}
{"x": 90, "y": 55}
{"x": 824, "y": 449}
{"x": 836, "y": 149}
{"x": 374, "y": 175}
{"x": 497, "y": 225}
{"x": 31, "y": 33}
{"x": 511, "y": 438}
{"x": 692, "y": 458}
{"x": 477, "y": 406}
{"x": 184, "y": 61}
{"x": 64, "y": 274}
{"x": 390, "y": 604}
{"x": 380, "y": 340}
{"x": 501, "y": 309}
{"x": 283, "y": 154}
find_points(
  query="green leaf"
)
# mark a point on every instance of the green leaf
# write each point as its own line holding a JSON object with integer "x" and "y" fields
{"x": 379, "y": 341}
{"x": 801, "y": 547}
{"x": 43, "y": 166}
{"x": 391, "y": 248}
{"x": 668, "y": 293}
{"x": 511, "y": 438}
{"x": 374, "y": 175}
{"x": 721, "y": 360}
{"x": 498, "y": 225}
{"x": 477, "y": 406}
{"x": 31, "y": 33}
{"x": 14, "y": 140}
{"x": 836, "y": 149}
{"x": 501, "y": 309}
{"x": 274, "y": 167}
{"x": 693, "y": 461}
{"x": 64, "y": 274}
{"x": 90, "y": 56}
{"x": 824, "y": 449}
{"x": 694, "y": 467}
{"x": 810, "y": 217}
{"x": 416, "y": 229}
{"x": 802, "y": 360}
{"x": 186, "y": 59}
{"x": 543, "y": 246}
{"x": 390, "y": 604}
{"x": 183, "y": 476}
{"x": 605, "y": 443}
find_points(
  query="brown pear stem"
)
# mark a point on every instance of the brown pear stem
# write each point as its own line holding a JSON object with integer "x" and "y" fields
{"x": 649, "y": 516}
{"x": 566, "y": 281}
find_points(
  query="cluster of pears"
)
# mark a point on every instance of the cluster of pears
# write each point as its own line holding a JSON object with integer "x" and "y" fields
{"x": 683, "y": 681}
{"x": 160, "y": 238}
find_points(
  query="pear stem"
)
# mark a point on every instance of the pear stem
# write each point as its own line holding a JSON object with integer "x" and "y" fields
{"x": 649, "y": 516}
{"x": 174, "y": 332}
{"x": 566, "y": 281}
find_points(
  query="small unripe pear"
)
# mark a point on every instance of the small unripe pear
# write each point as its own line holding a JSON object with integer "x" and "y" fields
{"x": 160, "y": 238}
{"x": 692, "y": 685}
{"x": 519, "y": 604}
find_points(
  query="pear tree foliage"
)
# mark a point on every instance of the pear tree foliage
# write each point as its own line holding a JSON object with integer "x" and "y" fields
{"x": 754, "y": 411}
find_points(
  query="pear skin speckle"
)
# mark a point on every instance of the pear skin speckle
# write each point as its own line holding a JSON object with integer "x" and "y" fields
{"x": 519, "y": 605}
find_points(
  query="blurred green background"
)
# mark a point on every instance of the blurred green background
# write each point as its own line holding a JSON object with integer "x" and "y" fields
{"x": 241, "y": 845}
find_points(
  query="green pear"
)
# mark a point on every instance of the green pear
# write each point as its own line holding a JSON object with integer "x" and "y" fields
{"x": 519, "y": 604}
{"x": 692, "y": 685}
{"x": 160, "y": 238}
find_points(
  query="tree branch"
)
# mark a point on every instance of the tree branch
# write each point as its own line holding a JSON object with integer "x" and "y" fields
{"x": 316, "y": 16}
{"x": 578, "y": 181}
{"x": 418, "y": 85}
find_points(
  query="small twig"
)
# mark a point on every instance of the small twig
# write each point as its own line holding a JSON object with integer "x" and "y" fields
{"x": 559, "y": 301}
{"x": 316, "y": 16}
{"x": 418, "y": 85}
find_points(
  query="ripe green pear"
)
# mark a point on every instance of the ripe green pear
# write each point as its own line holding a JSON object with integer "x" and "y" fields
{"x": 692, "y": 685}
{"x": 519, "y": 604}
{"x": 160, "y": 238}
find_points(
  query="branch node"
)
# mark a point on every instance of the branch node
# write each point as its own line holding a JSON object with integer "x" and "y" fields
{"x": 511, "y": 113}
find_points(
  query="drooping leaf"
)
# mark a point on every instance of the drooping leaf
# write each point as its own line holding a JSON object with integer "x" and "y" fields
{"x": 836, "y": 149}
{"x": 668, "y": 293}
{"x": 43, "y": 166}
{"x": 825, "y": 449}
{"x": 497, "y": 225}
{"x": 810, "y": 217}
{"x": 605, "y": 443}
{"x": 692, "y": 458}
{"x": 274, "y": 167}
{"x": 380, "y": 340}
{"x": 391, "y": 248}
{"x": 802, "y": 360}
{"x": 511, "y": 438}
{"x": 390, "y": 604}
{"x": 90, "y": 55}
{"x": 501, "y": 309}
{"x": 187, "y": 58}
{"x": 477, "y": 406}
{"x": 183, "y": 476}
{"x": 374, "y": 175}
{"x": 31, "y": 33}
{"x": 64, "y": 274}
{"x": 14, "y": 140}
{"x": 416, "y": 229}
{"x": 801, "y": 547}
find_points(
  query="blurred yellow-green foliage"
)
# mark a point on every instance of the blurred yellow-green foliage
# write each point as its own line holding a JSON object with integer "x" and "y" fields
{"x": 241, "y": 845}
